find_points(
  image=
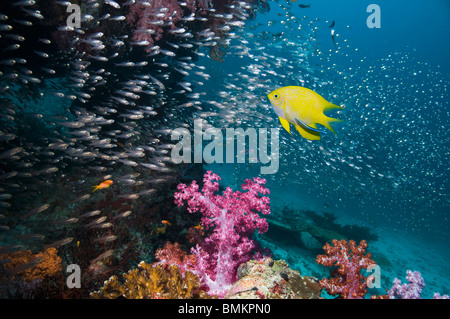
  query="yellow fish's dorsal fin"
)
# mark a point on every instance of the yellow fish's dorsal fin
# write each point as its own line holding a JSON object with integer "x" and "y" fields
{"x": 285, "y": 124}
{"x": 330, "y": 106}
{"x": 310, "y": 135}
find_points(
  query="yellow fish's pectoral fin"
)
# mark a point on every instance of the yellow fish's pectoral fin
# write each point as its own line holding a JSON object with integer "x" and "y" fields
{"x": 285, "y": 124}
{"x": 308, "y": 134}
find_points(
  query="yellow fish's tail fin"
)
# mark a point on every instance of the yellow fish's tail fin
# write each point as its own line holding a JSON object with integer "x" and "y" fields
{"x": 326, "y": 122}
{"x": 96, "y": 187}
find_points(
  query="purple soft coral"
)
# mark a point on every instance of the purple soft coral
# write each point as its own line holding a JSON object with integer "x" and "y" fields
{"x": 233, "y": 218}
{"x": 413, "y": 289}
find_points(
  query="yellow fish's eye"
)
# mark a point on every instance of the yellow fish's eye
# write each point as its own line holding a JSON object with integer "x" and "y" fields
{"x": 276, "y": 96}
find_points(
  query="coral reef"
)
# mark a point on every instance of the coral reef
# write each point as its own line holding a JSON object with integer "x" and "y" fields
{"x": 269, "y": 279}
{"x": 232, "y": 219}
{"x": 31, "y": 267}
{"x": 257, "y": 279}
{"x": 348, "y": 282}
{"x": 152, "y": 282}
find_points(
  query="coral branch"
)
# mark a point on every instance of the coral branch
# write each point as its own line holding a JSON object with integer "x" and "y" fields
{"x": 233, "y": 218}
{"x": 349, "y": 283}
{"x": 411, "y": 290}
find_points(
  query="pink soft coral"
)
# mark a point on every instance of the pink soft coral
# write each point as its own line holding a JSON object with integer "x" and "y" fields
{"x": 349, "y": 283}
{"x": 172, "y": 254}
{"x": 233, "y": 218}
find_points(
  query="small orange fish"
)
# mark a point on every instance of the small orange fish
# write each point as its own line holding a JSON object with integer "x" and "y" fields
{"x": 102, "y": 185}
{"x": 165, "y": 222}
{"x": 198, "y": 226}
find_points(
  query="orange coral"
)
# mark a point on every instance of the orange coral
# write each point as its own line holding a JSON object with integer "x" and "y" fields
{"x": 348, "y": 282}
{"x": 152, "y": 282}
{"x": 31, "y": 266}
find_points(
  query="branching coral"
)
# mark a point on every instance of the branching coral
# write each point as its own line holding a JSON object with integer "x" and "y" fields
{"x": 152, "y": 282}
{"x": 348, "y": 282}
{"x": 411, "y": 290}
{"x": 232, "y": 219}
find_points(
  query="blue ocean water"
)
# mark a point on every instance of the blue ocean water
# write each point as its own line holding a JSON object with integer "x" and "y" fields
{"x": 388, "y": 169}
{"x": 383, "y": 178}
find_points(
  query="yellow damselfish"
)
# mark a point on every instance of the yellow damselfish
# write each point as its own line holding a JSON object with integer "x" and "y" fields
{"x": 304, "y": 109}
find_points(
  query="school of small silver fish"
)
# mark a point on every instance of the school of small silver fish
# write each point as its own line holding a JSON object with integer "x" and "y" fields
{"x": 103, "y": 108}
